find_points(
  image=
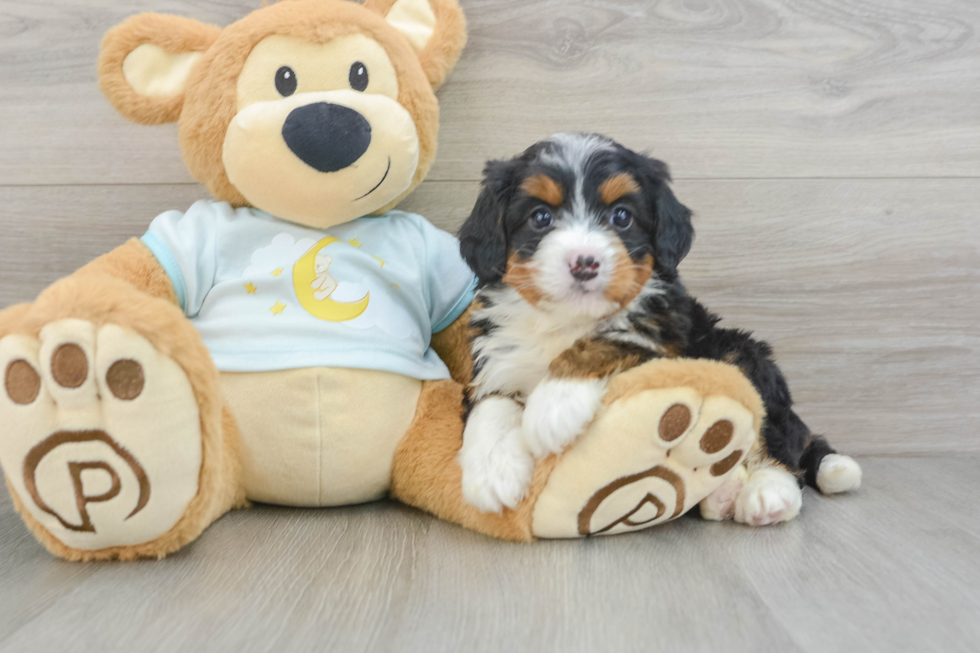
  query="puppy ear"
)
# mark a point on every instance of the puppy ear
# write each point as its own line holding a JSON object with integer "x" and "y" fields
{"x": 435, "y": 28}
{"x": 483, "y": 237}
{"x": 145, "y": 62}
{"x": 674, "y": 232}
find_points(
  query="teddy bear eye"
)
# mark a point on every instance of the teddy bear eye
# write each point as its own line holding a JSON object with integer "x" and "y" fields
{"x": 358, "y": 76}
{"x": 286, "y": 81}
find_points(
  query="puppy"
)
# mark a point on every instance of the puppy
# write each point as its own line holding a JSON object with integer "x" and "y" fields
{"x": 576, "y": 244}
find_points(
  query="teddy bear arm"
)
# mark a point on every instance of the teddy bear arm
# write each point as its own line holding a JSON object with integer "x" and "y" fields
{"x": 135, "y": 264}
{"x": 453, "y": 346}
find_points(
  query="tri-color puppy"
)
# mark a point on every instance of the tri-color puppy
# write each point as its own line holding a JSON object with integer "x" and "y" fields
{"x": 576, "y": 244}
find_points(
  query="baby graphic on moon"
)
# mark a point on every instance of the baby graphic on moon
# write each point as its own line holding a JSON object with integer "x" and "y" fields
{"x": 321, "y": 289}
{"x": 324, "y": 284}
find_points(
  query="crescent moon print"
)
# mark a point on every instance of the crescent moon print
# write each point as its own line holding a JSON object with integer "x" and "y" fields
{"x": 313, "y": 285}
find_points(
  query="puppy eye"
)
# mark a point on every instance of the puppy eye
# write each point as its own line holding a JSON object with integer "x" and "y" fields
{"x": 286, "y": 81}
{"x": 621, "y": 218}
{"x": 358, "y": 76}
{"x": 541, "y": 219}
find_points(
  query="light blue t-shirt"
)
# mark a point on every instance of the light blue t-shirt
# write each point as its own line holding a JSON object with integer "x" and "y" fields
{"x": 266, "y": 294}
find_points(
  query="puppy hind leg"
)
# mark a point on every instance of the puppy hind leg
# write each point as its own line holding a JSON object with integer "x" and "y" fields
{"x": 827, "y": 470}
{"x": 785, "y": 435}
{"x": 720, "y": 504}
{"x": 770, "y": 495}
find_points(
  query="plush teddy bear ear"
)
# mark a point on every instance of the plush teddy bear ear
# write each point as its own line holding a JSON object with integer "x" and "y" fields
{"x": 145, "y": 62}
{"x": 435, "y": 28}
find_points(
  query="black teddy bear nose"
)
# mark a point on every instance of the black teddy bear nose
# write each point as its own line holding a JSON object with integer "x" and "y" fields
{"x": 327, "y": 137}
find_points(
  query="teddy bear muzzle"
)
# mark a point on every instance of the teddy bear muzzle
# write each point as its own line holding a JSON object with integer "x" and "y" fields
{"x": 322, "y": 158}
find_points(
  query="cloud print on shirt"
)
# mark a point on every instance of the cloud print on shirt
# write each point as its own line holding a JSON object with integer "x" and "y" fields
{"x": 382, "y": 311}
{"x": 282, "y": 252}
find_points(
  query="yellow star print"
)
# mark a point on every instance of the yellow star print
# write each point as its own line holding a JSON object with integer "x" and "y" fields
{"x": 277, "y": 272}
{"x": 395, "y": 286}
{"x": 354, "y": 242}
{"x": 278, "y": 308}
{"x": 378, "y": 259}
{"x": 250, "y": 288}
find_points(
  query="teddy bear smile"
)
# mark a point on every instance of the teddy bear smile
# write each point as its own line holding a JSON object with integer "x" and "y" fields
{"x": 377, "y": 185}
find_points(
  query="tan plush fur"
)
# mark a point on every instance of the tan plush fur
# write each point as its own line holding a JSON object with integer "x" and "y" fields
{"x": 453, "y": 346}
{"x": 134, "y": 263}
{"x": 425, "y": 473}
{"x": 172, "y": 33}
{"x": 103, "y": 299}
{"x": 706, "y": 376}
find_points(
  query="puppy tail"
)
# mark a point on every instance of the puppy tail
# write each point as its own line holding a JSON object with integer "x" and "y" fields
{"x": 826, "y": 470}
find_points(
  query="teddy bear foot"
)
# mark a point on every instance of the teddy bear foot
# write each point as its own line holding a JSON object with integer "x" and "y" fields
{"x": 102, "y": 434}
{"x": 652, "y": 453}
{"x": 114, "y": 440}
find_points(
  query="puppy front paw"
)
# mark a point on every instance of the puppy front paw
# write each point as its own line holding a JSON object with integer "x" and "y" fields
{"x": 496, "y": 467}
{"x": 558, "y": 411}
{"x": 497, "y": 478}
{"x": 771, "y": 495}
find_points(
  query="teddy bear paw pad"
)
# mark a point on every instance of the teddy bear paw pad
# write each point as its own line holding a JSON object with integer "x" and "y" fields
{"x": 100, "y": 433}
{"x": 645, "y": 460}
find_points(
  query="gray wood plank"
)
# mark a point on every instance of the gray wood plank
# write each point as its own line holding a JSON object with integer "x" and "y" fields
{"x": 866, "y": 288}
{"x": 887, "y": 569}
{"x": 899, "y": 549}
{"x": 742, "y": 88}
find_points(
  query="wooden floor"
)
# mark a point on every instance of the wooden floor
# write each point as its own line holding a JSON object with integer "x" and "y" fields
{"x": 893, "y": 568}
{"x": 831, "y": 152}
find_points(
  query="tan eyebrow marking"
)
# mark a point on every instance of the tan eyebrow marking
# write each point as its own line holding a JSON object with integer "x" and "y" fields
{"x": 544, "y": 188}
{"x": 617, "y": 186}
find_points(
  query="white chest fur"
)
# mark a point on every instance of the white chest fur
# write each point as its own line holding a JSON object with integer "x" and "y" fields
{"x": 516, "y": 353}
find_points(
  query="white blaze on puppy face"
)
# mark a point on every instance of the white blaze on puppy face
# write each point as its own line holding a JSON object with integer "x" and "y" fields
{"x": 580, "y": 269}
{"x": 573, "y": 242}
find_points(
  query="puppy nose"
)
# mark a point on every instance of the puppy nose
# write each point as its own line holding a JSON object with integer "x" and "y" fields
{"x": 327, "y": 137}
{"x": 583, "y": 266}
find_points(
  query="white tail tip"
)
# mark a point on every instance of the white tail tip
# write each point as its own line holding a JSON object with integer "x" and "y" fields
{"x": 838, "y": 473}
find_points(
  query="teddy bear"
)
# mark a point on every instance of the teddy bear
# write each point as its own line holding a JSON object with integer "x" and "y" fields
{"x": 297, "y": 340}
